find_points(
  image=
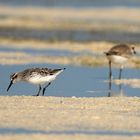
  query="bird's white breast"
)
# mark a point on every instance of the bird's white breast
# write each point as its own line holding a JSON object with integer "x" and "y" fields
{"x": 117, "y": 59}
{"x": 41, "y": 79}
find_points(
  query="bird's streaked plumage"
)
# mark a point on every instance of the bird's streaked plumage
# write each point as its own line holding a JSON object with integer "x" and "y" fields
{"x": 37, "y": 76}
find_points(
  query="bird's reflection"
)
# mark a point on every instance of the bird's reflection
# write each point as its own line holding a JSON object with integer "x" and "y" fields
{"x": 110, "y": 87}
{"x": 120, "y": 88}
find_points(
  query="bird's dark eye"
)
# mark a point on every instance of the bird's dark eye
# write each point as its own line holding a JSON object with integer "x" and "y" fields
{"x": 15, "y": 76}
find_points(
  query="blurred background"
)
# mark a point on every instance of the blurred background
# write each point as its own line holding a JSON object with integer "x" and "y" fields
{"x": 72, "y": 34}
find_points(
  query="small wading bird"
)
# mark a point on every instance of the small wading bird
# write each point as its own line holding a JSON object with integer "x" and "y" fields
{"x": 37, "y": 76}
{"x": 119, "y": 54}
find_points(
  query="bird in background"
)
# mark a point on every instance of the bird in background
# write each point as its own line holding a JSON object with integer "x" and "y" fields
{"x": 120, "y": 55}
{"x": 36, "y": 76}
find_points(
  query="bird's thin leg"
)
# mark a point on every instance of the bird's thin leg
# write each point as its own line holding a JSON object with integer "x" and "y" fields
{"x": 120, "y": 87}
{"x": 110, "y": 71}
{"x": 43, "y": 92}
{"x": 38, "y": 91}
{"x": 110, "y": 77}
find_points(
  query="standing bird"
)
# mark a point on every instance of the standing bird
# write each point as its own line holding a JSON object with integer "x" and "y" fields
{"x": 37, "y": 76}
{"x": 119, "y": 54}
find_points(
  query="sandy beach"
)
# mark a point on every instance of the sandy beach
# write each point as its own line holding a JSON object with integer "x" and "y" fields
{"x": 57, "y": 118}
{"x": 69, "y": 37}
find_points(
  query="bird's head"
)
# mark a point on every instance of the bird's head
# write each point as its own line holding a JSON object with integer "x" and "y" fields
{"x": 14, "y": 79}
{"x": 133, "y": 49}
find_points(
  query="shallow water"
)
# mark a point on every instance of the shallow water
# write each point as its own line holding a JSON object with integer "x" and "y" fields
{"x": 73, "y": 3}
{"x": 74, "y": 81}
{"x": 47, "y": 52}
{"x": 6, "y": 131}
{"x": 71, "y": 35}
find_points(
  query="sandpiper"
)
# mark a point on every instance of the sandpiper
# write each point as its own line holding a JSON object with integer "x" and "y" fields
{"x": 119, "y": 54}
{"x": 37, "y": 76}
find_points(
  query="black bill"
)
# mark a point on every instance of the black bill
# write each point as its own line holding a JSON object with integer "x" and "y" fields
{"x": 10, "y": 85}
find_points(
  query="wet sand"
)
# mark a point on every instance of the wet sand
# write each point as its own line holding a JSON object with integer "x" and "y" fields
{"x": 91, "y": 53}
{"x": 83, "y": 24}
{"x": 57, "y": 118}
{"x": 21, "y": 25}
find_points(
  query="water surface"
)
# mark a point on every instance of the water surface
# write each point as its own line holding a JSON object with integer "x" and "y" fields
{"x": 69, "y": 35}
{"x": 74, "y": 81}
{"x": 72, "y": 3}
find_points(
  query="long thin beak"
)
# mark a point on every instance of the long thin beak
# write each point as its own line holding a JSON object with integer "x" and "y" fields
{"x": 9, "y": 85}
